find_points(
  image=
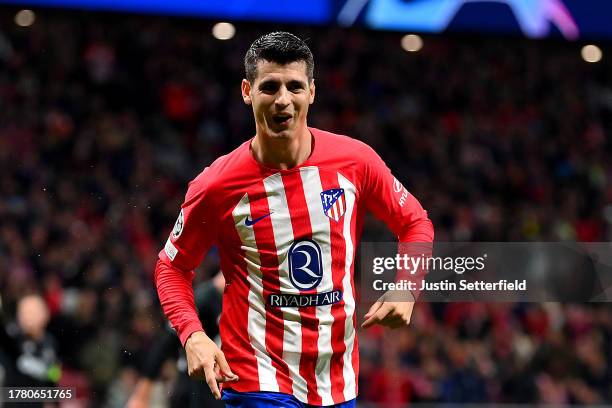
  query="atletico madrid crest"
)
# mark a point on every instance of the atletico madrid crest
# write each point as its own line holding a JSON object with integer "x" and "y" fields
{"x": 334, "y": 203}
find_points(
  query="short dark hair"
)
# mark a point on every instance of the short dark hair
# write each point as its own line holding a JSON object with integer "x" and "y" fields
{"x": 280, "y": 47}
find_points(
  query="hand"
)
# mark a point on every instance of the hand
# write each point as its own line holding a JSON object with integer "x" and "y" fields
{"x": 392, "y": 314}
{"x": 207, "y": 362}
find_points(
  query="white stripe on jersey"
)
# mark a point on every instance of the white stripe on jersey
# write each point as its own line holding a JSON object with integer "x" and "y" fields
{"x": 347, "y": 285}
{"x": 256, "y": 325}
{"x": 321, "y": 234}
{"x": 283, "y": 238}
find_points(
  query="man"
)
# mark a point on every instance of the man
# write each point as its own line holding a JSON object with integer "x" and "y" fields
{"x": 285, "y": 210}
{"x": 28, "y": 354}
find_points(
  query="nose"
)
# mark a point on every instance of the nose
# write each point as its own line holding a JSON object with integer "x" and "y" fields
{"x": 282, "y": 97}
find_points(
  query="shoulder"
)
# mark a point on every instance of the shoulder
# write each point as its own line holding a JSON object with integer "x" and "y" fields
{"x": 223, "y": 167}
{"x": 343, "y": 146}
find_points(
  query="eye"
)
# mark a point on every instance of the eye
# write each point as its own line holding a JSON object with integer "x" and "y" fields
{"x": 268, "y": 87}
{"x": 295, "y": 87}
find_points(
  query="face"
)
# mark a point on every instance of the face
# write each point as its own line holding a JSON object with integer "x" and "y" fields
{"x": 280, "y": 97}
{"x": 32, "y": 315}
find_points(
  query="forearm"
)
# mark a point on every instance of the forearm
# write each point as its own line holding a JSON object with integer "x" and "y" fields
{"x": 419, "y": 230}
{"x": 416, "y": 243}
{"x": 176, "y": 297}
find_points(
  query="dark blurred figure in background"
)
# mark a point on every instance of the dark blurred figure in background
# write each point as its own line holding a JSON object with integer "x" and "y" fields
{"x": 186, "y": 392}
{"x": 28, "y": 354}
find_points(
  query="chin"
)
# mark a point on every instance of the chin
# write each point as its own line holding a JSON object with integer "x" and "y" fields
{"x": 281, "y": 134}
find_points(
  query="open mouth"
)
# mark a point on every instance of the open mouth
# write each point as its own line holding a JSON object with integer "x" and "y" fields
{"x": 281, "y": 119}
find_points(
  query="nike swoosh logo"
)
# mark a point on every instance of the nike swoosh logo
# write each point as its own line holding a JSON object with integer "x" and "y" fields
{"x": 249, "y": 222}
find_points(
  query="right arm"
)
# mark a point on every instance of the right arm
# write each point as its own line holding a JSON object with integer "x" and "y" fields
{"x": 190, "y": 239}
{"x": 176, "y": 297}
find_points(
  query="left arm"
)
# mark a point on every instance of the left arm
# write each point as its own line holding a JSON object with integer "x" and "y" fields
{"x": 391, "y": 202}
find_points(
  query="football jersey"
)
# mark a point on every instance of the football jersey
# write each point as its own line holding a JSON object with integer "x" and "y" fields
{"x": 287, "y": 242}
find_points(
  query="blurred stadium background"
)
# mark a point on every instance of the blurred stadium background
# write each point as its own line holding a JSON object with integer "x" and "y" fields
{"x": 497, "y": 117}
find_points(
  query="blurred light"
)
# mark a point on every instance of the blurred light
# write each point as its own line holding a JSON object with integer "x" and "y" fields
{"x": 412, "y": 43}
{"x": 223, "y": 31}
{"x": 591, "y": 53}
{"x": 25, "y": 18}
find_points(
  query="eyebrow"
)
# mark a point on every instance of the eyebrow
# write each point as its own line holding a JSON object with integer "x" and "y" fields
{"x": 292, "y": 82}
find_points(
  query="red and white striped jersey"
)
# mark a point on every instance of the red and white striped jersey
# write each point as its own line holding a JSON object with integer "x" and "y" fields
{"x": 287, "y": 242}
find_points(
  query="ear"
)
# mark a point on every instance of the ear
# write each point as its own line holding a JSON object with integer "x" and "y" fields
{"x": 312, "y": 91}
{"x": 246, "y": 91}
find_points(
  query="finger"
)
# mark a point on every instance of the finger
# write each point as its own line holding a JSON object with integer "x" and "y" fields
{"x": 223, "y": 378}
{"x": 376, "y": 317}
{"x": 374, "y": 308}
{"x": 225, "y": 368}
{"x": 220, "y": 378}
{"x": 212, "y": 382}
{"x": 369, "y": 322}
{"x": 383, "y": 311}
{"x": 218, "y": 375}
{"x": 372, "y": 320}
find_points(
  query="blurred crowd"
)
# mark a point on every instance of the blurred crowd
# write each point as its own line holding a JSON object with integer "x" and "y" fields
{"x": 105, "y": 118}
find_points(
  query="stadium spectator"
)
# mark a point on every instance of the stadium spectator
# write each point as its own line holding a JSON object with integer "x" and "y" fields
{"x": 28, "y": 353}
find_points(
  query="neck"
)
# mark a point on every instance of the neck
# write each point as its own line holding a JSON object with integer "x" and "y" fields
{"x": 282, "y": 153}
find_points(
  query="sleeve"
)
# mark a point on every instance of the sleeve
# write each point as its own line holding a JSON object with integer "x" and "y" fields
{"x": 188, "y": 243}
{"x": 390, "y": 201}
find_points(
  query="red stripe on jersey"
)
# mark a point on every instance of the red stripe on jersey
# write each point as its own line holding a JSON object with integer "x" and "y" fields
{"x": 338, "y": 247}
{"x": 275, "y": 331}
{"x": 235, "y": 315}
{"x": 300, "y": 222}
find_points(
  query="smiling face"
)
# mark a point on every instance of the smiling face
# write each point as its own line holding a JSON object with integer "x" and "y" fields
{"x": 280, "y": 96}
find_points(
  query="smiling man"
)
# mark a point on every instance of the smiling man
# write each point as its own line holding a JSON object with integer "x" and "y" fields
{"x": 285, "y": 210}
